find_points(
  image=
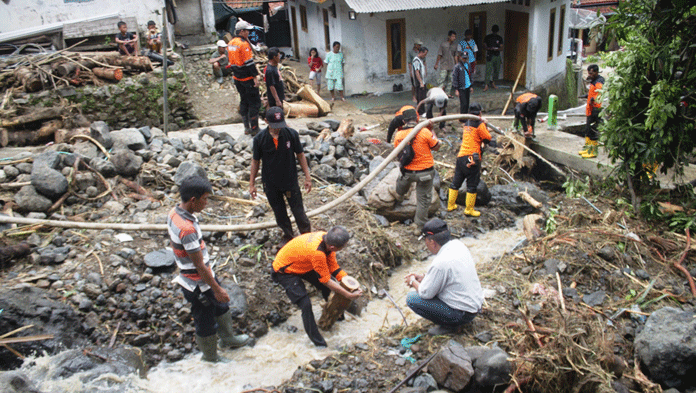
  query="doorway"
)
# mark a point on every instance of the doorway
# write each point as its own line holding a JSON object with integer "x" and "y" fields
{"x": 516, "y": 38}
{"x": 295, "y": 44}
{"x": 477, "y": 24}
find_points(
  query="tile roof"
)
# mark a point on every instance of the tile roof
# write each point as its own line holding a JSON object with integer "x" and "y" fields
{"x": 368, "y": 6}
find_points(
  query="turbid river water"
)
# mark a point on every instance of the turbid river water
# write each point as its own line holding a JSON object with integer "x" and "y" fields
{"x": 278, "y": 354}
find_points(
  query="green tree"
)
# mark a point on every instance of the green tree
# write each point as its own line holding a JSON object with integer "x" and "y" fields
{"x": 652, "y": 104}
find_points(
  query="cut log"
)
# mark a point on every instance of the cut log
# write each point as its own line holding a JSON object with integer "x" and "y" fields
{"x": 30, "y": 80}
{"x": 532, "y": 226}
{"x": 24, "y": 137}
{"x": 346, "y": 128}
{"x": 528, "y": 198}
{"x": 32, "y": 117}
{"x": 16, "y": 251}
{"x": 308, "y": 94}
{"x": 337, "y": 304}
{"x": 301, "y": 109}
{"x": 112, "y": 74}
{"x": 140, "y": 63}
{"x": 64, "y": 135}
{"x": 67, "y": 68}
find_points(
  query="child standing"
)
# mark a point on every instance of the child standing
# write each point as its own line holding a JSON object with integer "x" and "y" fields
{"x": 334, "y": 70}
{"x": 315, "y": 66}
{"x": 274, "y": 82}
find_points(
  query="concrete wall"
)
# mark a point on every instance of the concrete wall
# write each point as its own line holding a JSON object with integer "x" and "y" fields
{"x": 540, "y": 69}
{"x": 364, "y": 40}
{"x": 18, "y": 15}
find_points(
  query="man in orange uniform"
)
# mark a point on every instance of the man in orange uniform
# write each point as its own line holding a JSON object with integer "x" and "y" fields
{"x": 526, "y": 110}
{"x": 594, "y": 106}
{"x": 420, "y": 170}
{"x": 469, "y": 162}
{"x": 312, "y": 257}
{"x": 399, "y": 120}
{"x": 245, "y": 76}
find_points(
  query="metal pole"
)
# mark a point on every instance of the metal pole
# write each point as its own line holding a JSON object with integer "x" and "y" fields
{"x": 165, "y": 109}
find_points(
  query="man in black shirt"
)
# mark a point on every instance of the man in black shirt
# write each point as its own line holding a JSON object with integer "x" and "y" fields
{"x": 277, "y": 147}
{"x": 274, "y": 82}
{"x": 493, "y": 43}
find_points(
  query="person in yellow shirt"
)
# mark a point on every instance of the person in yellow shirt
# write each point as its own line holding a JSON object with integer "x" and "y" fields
{"x": 468, "y": 166}
{"x": 311, "y": 257}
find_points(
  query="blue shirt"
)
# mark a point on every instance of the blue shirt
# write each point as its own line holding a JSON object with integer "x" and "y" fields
{"x": 470, "y": 48}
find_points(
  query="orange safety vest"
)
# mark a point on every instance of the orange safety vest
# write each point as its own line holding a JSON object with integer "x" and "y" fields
{"x": 301, "y": 255}
{"x": 526, "y": 97}
{"x": 472, "y": 138}
{"x": 593, "y": 95}
{"x": 241, "y": 58}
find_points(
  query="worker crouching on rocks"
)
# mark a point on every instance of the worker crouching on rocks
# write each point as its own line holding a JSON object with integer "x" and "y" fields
{"x": 468, "y": 164}
{"x": 528, "y": 105}
{"x": 198, "y": 282}
{"x": 312, "y": 257}
{"x": 449, "y": 293}
{"x": 401, "y": 117}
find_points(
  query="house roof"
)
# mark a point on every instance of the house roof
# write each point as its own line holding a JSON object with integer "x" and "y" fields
{"x": 368, "y": 6}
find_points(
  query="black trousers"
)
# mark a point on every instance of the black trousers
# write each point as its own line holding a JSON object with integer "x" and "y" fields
{"x": 429, "y": 113}
{"x": 525, "y": 119}
{"x": 249, "y": 104}
{"x": 472, "y": 174}
{"x": 276, "y": 198}
{"x": 593, "y": 121}
{"x": 464, "y": 96}
{"x": 295, "y": 288}
{"x": 421, "y": 92}
{"x": 204, "y": 309}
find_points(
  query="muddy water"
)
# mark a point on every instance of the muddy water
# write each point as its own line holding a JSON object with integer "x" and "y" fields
{"x": 286, "y": 347}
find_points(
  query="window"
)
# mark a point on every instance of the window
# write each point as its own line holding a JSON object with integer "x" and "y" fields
{"x": 396, "y": 46}
{"x": 561, "y": 30}
{"x": 327, "y": 39}
{"x": 552, "y": 32}
{"x": 303, "y": 18}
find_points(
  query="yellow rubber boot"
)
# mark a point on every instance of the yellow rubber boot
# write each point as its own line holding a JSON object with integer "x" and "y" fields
{"x": 587, "y": 146}
{"x": 470, "y": 202}
{"x": 591, "y": 150}
{"x": 452, "y": 200}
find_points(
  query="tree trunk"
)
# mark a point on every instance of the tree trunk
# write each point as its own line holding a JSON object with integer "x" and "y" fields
{"x": 346, "y": 128}
{"x": 112, "y": 74}
{"x": 34, "y": 116}
{"x": 65, "y": 69}
{"x": 301, "y": 109}
{"x": 140, "y": 63}
{"x": 337, "y": 304}
{"x": 24, "y": 137}
{"x": 30, "y": 80}
{"x": 308, "y": 94}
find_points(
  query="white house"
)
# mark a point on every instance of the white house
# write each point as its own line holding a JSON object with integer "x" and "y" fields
{"x": 376, "y": 35}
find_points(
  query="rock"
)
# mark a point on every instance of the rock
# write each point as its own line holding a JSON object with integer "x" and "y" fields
{"x": 491, "y": 365}
{"x": 126, "y": 162}
{"x": 382, "y": 221}
{"x": 643, "y": 275}
{"x": 345, "y": 163}
{"x": 555, "y": 265}
{"x": 174, "y": 355}
{"x": 187, "y": 169}
{"x": 484, "y": 336}
{"x": 91, "y": 290}
{"x": 595, "y": 298}
{"x": 29, "y": 200}
{"x": 24, "y": 167}
{"x": 86, "y": 150}
{"x": 16, "y": 382}
{"x": 128, "y": 138}
{"x": 49, "y": 182}
{"x": 607, "y": 253}
{"x": 667, "y": 347}
{"x": 160, "y": 259}
{"x": 328, "y": 160}
{"x": 11, "y": 172}
{"x": 451, "y": 367}
{"x": 100, "y": 131}
{"x": 106, "y": 168}
{"x": 48, "y": 159}
{"x": 385, "y": 203}
{"x": 483, "y": 195}
{"x": 425, "y": 381}
{"x": 325, "y": 172}
{"x": 345, "y": 176}
{"x": 114, "y": 207}
{"x": 146, "y": 133}
{"x": 505, "y": 196}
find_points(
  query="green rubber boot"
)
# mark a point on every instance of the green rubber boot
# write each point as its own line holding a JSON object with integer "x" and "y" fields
{"x": 226, "y": 333}
{"x": 209, "y": 348}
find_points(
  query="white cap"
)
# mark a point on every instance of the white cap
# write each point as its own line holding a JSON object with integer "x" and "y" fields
{"x": 221, "y": 44}
{"x": 243, "y": 25}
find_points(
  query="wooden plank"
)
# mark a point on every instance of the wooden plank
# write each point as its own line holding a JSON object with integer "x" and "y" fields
{"x": 104, "y": 27}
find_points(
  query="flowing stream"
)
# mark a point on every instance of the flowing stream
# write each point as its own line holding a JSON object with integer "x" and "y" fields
{"x": 277, "y": 355}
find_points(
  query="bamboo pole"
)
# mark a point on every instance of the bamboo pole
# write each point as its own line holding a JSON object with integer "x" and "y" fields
{"x": 519, "y": 75}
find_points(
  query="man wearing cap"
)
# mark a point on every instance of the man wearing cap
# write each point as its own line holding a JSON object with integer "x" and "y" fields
{"x": 220, "y": 61}
{"x": 245, "y": 74}
{"x": 420, "y": 170}
{"x": 461, "y": 81}
{"x": 526, "y": 110}
{"x": 312, "y": 257}
{"x": 401, "y": 118}
{"x": 468, "y": 165}
{"x": 435, "y": 97}
{"x": 277, "y": 146}
{"x": 449, "y": 293}
{"x": 417, "y": 44}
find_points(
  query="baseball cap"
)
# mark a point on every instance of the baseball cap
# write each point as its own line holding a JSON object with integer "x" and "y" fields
{"x": 409, "y": 114}
{"x": 432, "y": 227}
{"x": 418, "y": 41}
{"x": 275, "y": 117}
{"x": 243, "y": 25}
{"x": 440, "y": 102}
{"x": 475, "y": 109}
{"x": 221, "y": 43}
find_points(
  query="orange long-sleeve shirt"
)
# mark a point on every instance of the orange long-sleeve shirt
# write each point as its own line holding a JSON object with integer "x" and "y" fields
{"x": 241, "y": 58}
{"x": 302, "y": 255}
{"x": 472, "y": 138}
{"x": 593, "y": 95}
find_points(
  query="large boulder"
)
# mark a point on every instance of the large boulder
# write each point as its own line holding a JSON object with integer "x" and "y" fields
{"x": 374, "y": 163}
{"x": 29, "y": 200}
{"x": 160, "y": 259}
{"x": 382, "y": 199}
{"x": 491, "y": 366}
{"x": 49, "y": 182}
{"x": 48, "y": 159}
{"x": 188, "y": 169}
{"x": 100, "y": 131}
{"x": 105, "y": 167}
{"x": 238, "y": 302}
{"x": 483, "y": 195}
{"x": 667, "y": 347}
{"x": 451, "y": 367}
{"x": 128, "y": 138}
{"x": 505, "y": 196}
{"x": 126, "y": 162}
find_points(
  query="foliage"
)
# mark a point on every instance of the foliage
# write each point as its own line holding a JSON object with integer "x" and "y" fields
{"x": 576, "y": 187}
{"x": 551, "y": 223}
{"x": 651, "y": 112}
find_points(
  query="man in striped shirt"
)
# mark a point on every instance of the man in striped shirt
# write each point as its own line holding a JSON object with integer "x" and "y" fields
{"x": 196, "y": 277}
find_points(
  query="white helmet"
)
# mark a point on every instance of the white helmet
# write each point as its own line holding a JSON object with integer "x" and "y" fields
{"x": 440, "y": 102}
{"x": 243, "y": 25}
